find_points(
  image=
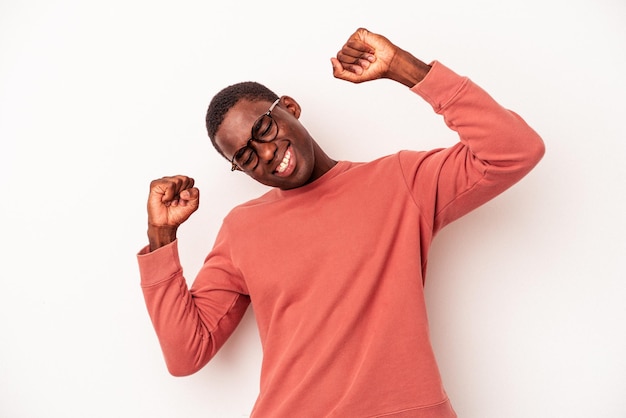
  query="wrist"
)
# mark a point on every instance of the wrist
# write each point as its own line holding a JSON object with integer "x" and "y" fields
{"x": 407, "y": 69}
{"x": 158, "y": 236}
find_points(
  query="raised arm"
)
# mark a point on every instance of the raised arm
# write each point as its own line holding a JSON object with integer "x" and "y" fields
{"x": 191, "y": 324}
{"x": 496, "y": 149}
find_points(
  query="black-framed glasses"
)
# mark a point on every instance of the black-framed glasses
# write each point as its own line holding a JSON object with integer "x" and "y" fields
{"x": 264, "y": 130}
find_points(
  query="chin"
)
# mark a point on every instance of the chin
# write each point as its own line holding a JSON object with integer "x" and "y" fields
{"x": 292, "y": 182}
{"x": 302, "y": 175}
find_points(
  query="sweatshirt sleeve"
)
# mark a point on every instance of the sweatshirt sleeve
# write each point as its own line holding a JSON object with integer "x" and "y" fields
{"x": 191, "y": 324}
{"x": 496, "y": 149}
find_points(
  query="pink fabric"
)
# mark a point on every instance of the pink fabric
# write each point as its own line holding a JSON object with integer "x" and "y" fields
{"x": 335, "y": 269}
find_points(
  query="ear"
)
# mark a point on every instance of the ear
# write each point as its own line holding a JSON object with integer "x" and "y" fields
{"x": 290, "y": 105}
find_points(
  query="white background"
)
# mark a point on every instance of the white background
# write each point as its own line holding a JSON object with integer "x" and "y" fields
{"x": 526, "y": 294}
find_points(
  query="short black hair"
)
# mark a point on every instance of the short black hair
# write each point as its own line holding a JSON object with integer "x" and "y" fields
{"x": 225, "y": 99}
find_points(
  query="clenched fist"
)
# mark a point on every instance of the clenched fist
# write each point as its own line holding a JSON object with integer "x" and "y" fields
{"x": 171, "y": 202}
{"x": 365, "y": 56}
{"x": 369, "y": 56}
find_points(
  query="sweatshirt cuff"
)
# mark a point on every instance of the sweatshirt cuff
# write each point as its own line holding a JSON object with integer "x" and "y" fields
{"x": 440, "y": 86}
{"x": 159, "y": 265}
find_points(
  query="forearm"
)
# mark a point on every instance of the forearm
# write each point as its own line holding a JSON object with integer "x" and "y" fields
{"x": 496, "y": 136}
{"x": 496, "y": 148}
{"x": 191, "y": 325}
{"x": 184, "y": 340}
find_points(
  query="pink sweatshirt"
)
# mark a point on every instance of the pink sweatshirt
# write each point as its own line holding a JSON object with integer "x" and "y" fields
{"x": 335, "y": 269}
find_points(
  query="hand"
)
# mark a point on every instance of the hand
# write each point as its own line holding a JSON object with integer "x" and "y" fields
{"x": 171, "y": 202}
{"x": 365, "y": 56}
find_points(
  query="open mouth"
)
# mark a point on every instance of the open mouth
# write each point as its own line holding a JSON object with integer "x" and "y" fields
{"x": 286, "y": 165}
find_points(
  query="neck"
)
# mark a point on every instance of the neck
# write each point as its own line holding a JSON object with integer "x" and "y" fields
{"x": 323, "y": 163}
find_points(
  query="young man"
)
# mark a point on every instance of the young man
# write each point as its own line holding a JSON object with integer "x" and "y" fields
{"x": 333, "y": 256}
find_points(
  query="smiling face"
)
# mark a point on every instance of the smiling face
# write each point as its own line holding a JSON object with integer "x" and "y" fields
{"x": 287, "y": 162}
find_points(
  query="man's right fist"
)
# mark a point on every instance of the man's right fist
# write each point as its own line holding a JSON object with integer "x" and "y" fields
{"x": 171, "y": 202}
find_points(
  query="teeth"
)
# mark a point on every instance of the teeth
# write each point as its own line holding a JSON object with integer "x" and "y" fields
{"x": 284, "y": 163}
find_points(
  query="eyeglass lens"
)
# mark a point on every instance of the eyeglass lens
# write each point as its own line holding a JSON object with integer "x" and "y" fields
{"x": 263, "y": 130}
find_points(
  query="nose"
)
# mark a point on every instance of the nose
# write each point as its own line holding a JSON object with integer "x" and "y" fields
{"x": 265, "y": 150}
